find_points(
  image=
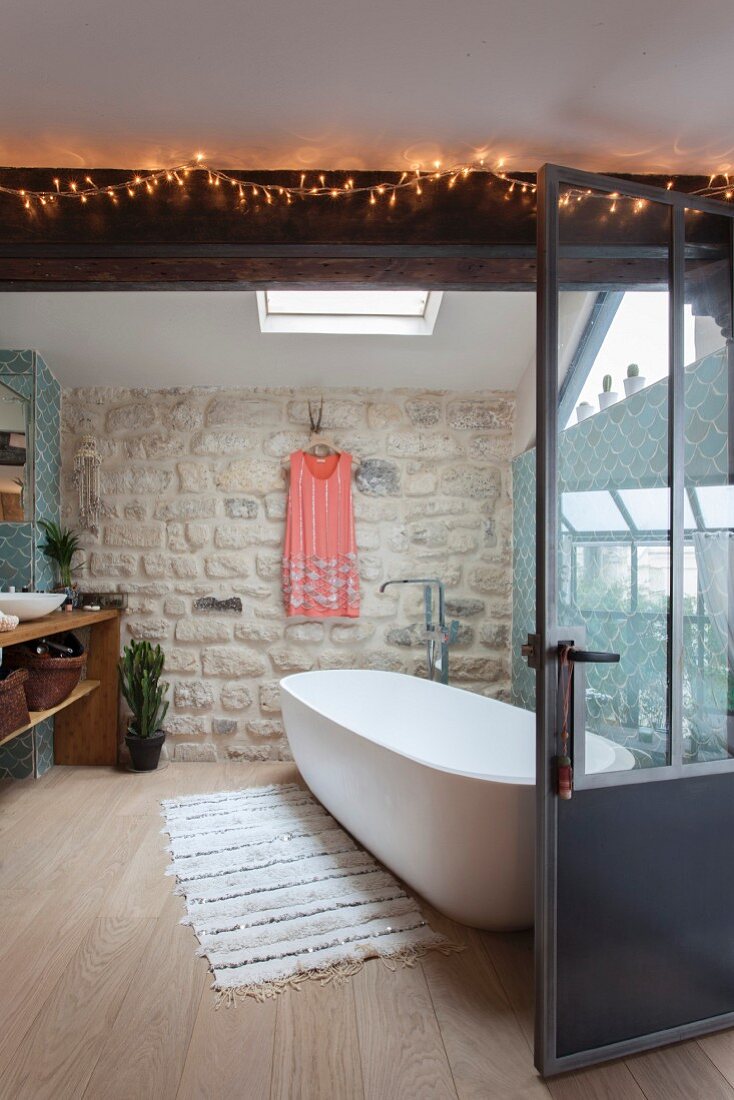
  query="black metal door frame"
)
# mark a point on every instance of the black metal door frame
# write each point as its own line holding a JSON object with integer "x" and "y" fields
{"x": 550, "y": 180}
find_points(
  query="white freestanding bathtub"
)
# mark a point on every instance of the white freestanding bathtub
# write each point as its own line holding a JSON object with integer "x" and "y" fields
{"x": 438, "y": 783}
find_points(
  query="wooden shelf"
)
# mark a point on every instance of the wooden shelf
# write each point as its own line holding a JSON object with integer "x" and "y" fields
{"x": 83, "y": 688}
{"x": 58, "y": 622}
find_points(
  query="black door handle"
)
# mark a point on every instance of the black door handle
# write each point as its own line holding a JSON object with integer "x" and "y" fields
{"x": 590, "y": 656}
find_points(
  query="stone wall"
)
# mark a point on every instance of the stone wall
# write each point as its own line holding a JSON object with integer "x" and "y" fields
{"x": 192, "y": 528}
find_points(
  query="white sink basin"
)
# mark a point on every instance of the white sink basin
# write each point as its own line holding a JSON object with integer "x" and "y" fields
{"x": 30, "y": 605}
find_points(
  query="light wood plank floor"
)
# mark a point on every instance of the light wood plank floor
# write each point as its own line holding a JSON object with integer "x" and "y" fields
{"x": 102, "y": 996}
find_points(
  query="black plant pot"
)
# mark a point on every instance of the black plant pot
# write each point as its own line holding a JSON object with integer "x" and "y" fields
{"x": 145, "y": 752}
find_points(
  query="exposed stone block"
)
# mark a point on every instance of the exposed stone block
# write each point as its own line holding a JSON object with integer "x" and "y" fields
{"x": 422, "y": 484}
{"x": 495, "y": 412}
{"x": 383, "y": 414}
{"x": 250, "y": 475}
{"x": 462, "y": 542}
{"x": 249, "y": 631}
{"x": 194, "y": 477}
{"x": 287, "y": 660}
{"x": 224, "y": 727}
{"x": 231, "y": 661}
{"x": 423, "y": 412}
{"x": 370, "y": 567}
{"x": 492, "y": 579}
{"x": 185, "y": 508}
{"x": 193, "y": 695}
{"x": 154, "y": 630}
{"x": 176, "y": 538}
{"x": 134, "y": 480}
{"x": 464, "y": 668}
{"x": 143, "y": 535}
{"x": 155, "y": 445}
{"x": 235, "y": 696}
{"x": 275, "y": 504}
{"x": 231, "y": 409}
{"x": 496, "y": 447}
{"x": 463, "y": 608}
{"x": 113, "y": 565}
{"x": 203, "y": 630}
{"x": 169, "y": 565}
{"x": 241, "y": 507}
{"x": 184, "y": 725}
{"x": 182, "y": 660}
{"x": 186, "y": 415}
{"x": 496, "y": 635}
{"x": 226, "y": 565}
{"x": 197, "y": 535}
{"x": 422, "y": 444}
{"x": 131, "y": 418}
{"x": 283, "y": 444}
{"x": 352, "y": 633}
{"x": 378, "y": 478}
{"x": 474, "y": 482}
{"x": 304, "y": 632}
{"x": 231, "y": 604}
{"x": 269, "y": 566}
{"x": 269, "y": 694}
{"x": 247, "y": 752}
{"x": 215, "y": 444}
{"x": 200, "y": 752}
{"x": 265, "y": 727}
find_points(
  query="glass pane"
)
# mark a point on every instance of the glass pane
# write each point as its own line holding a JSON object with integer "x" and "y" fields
{"x": 708, "y": 667}
{"x": 649, "y": 509}
{"x": 614, "y": 563}
{"x": 592, "y": 511}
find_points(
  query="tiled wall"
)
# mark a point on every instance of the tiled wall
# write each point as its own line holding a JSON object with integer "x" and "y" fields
{"x": 21, "y": 562}
{"x": 193, "y": 523}
{"x": 625, "y": 446}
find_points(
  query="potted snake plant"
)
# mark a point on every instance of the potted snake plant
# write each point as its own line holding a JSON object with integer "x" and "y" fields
{"x": 140, "y": 671}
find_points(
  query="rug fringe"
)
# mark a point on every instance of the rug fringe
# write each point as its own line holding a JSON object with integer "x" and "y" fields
{"x": 336, "y": 973}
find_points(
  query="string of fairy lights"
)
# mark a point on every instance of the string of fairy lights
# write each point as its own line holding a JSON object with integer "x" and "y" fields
{"x": 248, "y": 192}
{"x": 252, "y": 194}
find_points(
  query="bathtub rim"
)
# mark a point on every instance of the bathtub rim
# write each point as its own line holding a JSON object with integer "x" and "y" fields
{"x": 622, "y": 758}
{"x": 286, "y": 684}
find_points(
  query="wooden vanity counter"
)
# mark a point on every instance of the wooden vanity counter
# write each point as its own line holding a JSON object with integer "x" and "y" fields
{"x": 85, "y": 724}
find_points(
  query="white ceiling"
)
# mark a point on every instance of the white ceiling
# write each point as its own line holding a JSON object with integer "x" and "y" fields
{"x": 190, "y": 338}
{"x": 634, "y": 85}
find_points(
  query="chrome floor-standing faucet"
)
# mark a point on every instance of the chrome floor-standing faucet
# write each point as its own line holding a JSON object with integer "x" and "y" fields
{"x": 438, "y": 636}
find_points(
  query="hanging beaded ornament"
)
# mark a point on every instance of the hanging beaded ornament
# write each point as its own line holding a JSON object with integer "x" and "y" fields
{"x": 86, "y": 479}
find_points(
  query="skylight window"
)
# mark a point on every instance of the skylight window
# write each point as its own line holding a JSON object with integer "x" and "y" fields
{"x": 360, "y": 312}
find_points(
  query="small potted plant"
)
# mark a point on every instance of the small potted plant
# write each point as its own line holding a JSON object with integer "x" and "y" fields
{"x": 140, "y": 670}
{"x": 634, "y": 380}
{"x": 608, "y": 396}
{"x": 584, "y": 410}
{"x": 61, "y": 547}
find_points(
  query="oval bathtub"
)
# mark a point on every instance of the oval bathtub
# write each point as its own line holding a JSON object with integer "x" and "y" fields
{"x": 438, "y": 783}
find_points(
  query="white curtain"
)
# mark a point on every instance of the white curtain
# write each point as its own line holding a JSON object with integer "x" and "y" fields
{"x": 715, "y": 561}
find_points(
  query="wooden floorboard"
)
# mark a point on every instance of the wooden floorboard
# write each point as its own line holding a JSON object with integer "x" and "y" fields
{"x": 103, "y": 997}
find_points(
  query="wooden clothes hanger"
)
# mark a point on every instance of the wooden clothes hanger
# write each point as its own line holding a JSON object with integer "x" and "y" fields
{"x": 320, "y": 443}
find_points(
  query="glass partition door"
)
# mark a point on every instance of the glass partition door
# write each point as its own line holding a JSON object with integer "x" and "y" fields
{"x": 635, "y": 645}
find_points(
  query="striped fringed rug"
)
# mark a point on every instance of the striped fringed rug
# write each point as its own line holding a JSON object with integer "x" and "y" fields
{"x": 277, "y": 893}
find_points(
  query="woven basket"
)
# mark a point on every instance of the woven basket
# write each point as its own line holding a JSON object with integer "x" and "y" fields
{"x": 13, "y": 706}
{"x": 50, "y": 679}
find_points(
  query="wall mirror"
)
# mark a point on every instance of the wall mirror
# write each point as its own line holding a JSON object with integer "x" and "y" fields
{"x": 16, "y": 456}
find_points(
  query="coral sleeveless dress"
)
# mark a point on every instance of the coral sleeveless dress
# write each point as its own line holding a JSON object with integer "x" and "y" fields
{"x": 320, "y": 577}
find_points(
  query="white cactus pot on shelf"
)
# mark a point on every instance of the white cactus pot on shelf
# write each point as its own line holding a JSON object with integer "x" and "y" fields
{"x": 584, "y": 410}
{"x": 634, "y": 384}
{"x": 607, "y": 399}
